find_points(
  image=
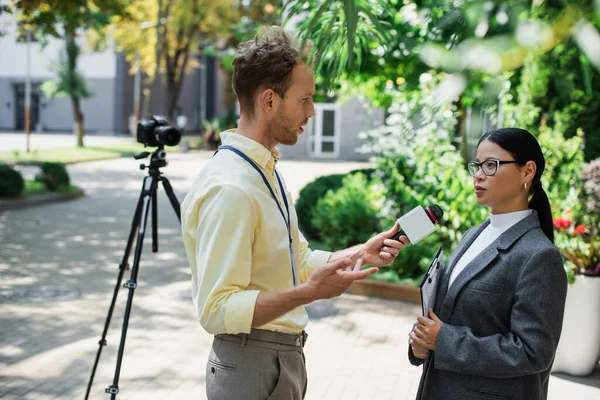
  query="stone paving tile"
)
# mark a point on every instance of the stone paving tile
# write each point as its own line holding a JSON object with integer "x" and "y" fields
{"x": 356, "y": 349}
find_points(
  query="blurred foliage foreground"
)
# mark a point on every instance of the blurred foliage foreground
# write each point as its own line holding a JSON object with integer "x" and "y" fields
{"x": 541, "y": 53}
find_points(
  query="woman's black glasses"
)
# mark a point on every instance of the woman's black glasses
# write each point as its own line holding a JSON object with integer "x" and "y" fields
{"x": 489, "y": 167}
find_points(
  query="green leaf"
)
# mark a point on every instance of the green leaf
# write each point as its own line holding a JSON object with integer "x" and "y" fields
{"x": 351, "y": 12}
{"x": 587, "y": 73}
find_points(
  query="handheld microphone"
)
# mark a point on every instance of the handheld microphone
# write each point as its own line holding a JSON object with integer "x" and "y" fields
{"x": 419, "y": 222}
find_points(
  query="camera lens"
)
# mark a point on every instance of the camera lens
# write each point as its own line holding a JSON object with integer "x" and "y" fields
{"x": 167, "y": 135}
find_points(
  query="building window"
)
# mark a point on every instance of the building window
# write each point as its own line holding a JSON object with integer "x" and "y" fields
{"x": 324, "y": 132}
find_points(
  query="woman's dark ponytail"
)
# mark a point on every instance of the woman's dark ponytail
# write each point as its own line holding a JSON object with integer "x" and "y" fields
{"x": 540, "y": 203}
{"x": 524, "y": 147}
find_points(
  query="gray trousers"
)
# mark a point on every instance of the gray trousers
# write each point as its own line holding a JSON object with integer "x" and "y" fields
{"x": 262, "y": 365}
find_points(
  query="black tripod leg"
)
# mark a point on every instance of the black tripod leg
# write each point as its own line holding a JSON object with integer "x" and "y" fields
{"x": 150, "y": 184}
{"x": 171, "y": 196}
{"x": 122, "y": 267}
{"x": 155, "y": 219}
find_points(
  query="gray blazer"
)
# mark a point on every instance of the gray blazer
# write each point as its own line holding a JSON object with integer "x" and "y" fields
{"x": 502, "y": 319}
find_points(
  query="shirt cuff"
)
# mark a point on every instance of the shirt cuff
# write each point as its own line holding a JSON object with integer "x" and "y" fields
{"x": 239, "y": 311}
{"x": 316, "y": 259}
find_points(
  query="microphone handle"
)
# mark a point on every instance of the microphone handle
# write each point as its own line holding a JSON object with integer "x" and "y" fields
{"x": 397, "y": 235}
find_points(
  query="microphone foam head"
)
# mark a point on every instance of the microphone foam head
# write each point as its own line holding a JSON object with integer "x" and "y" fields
{"x": 436, "y": 211}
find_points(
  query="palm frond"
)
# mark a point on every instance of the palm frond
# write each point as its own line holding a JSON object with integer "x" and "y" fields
{"x": 341, "y": 30}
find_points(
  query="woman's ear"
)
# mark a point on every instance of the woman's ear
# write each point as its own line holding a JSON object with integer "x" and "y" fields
{"x": 529, "y": 170}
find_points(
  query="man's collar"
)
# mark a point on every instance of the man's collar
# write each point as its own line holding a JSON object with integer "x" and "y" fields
{"x": 254, "y": 150}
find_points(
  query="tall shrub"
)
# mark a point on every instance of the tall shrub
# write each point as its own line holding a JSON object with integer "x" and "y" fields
{"x": 11, "y": 181}
{"x": 53, "y": 175}
{"x": 349, "y": 215}
{"x": 312, "y": 193}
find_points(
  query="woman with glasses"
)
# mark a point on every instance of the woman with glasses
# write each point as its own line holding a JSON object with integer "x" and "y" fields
{"x": 498, "y": 314}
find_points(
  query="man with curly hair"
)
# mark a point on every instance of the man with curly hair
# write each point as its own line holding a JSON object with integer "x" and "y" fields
{"x": 252, "y": 269}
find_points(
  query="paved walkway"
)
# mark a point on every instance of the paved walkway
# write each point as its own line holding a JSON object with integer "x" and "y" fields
{"x": 357, "y": 345}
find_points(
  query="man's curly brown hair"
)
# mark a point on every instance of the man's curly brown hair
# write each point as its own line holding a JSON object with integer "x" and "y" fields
{"x": 266, "y": 62}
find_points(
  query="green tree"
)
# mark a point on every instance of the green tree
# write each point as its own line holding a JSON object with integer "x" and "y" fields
{"x": 69, "y": 82}
{"x": 65, "y": 20}
{"x": 181, "y": 31}
{"x": 192, "y": 24}
{"x": 445, "y": 35}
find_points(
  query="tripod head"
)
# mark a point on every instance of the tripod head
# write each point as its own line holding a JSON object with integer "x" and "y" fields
{"x": 158, "y": 158}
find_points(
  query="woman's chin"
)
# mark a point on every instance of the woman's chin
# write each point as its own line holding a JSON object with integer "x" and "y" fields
{"x": 481, "y": 201}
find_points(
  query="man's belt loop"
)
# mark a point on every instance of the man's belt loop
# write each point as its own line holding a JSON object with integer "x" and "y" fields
{"x": 304, "y": 338}
{"x": 244, "y": 336}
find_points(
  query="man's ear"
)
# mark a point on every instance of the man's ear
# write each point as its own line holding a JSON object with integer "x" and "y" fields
{"x": 267, "y": 101}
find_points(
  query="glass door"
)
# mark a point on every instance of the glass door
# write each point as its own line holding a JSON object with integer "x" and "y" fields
{"x": 324, "y": 140}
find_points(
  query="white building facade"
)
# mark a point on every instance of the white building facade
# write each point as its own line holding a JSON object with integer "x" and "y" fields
{"x": 333, "y": 133}
{"x": 108, "y": 76}
{"x": 99, "y": 69}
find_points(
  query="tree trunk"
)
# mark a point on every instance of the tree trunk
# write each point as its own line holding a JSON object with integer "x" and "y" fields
{"x": 175, "y": 78}
{"x": 175, "y": 70}
{"x": 78, "y": 121}
{"x": 171, "y": 104}
{"x": 72, "y": 55}
{"x": 160, "y": 34}
{"x": 171, "y": 97}
{"x": 151, "y": 89}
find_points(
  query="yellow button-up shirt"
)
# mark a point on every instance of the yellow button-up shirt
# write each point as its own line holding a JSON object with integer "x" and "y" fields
{"x": 237, "y": 241}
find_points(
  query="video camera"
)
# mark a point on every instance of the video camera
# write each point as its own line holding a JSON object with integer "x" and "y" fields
{"x": 156, "y": 132}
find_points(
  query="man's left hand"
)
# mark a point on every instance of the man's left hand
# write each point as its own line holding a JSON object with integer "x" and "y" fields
{"x": 381, "y": 250}
{"x": 426, "y": 331}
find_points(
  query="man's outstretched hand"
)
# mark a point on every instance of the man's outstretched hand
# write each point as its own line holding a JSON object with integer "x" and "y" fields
{"x": 332, "y": 279}
{"x": 381, "y": 250}
{"x": 329, "y": 281}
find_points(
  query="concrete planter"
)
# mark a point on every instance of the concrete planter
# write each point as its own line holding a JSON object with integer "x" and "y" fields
{"x": 578, "y": 351}
{"x": 386, "y": 290}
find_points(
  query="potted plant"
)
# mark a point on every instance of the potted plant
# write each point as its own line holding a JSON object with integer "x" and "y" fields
{"x": 578, "y": 354}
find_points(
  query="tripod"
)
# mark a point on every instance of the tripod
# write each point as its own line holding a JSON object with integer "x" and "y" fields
{"x": 138, "y": 227}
